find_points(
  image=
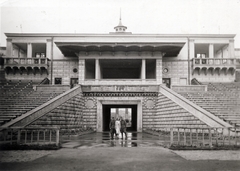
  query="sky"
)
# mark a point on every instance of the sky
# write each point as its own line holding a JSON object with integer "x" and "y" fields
{"x": 101, "y": 16}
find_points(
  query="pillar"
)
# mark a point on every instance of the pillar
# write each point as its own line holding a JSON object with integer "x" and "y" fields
{"x": 143, "y": 69}
{"x": 48, "y": 48}
{"x": 191, "y": 49}
{"x": 97, "y": 70}
{"x": 231, "y": 49}
{"x": 159, "y": 71}
{"x": 9, "y": 48}
{"x": 81, "y": 69}
{"x": 29, "y": 50}
{"x": 211, "y": 51}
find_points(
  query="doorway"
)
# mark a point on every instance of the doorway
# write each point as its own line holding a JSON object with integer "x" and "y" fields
{"x": 128, "y": 112}
{"x": 73, "y": 81}
{"x": 167, "y": 82}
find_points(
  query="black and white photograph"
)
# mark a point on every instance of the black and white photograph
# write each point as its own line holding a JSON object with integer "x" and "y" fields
{"x": 117, "y": 85}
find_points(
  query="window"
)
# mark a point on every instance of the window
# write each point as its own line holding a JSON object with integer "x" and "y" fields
{"x": 58, "y": 81}
{"x": 202, "y": 56}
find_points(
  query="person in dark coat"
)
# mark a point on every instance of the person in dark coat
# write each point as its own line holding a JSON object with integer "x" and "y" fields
{"x": 112, "y": 127}
{"x": 123, "y": 128}
{"x": 1, "y": 62}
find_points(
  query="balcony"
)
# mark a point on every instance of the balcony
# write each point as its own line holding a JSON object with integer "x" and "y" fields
{"x": 26, "y": 64}
{"x": 212, "y": 65}
{"x": 119, "y": 82}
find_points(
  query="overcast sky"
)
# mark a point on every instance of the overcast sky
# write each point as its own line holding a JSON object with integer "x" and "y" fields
{"x": 140, "y": 16}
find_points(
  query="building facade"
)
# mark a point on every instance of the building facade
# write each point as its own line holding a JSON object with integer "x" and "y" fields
{"x": 120, "y": 71}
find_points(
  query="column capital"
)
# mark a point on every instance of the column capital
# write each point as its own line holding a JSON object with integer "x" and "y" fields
{"x": 191, "y": 40}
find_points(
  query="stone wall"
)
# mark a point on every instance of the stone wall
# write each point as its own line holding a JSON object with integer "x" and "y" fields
{"x": 149, "y": 112}
{"x": 170, "y": 114}
{"x": 90, "y": 112}
{"x": 68, "y": 116}
{"x": 176, "y": 70}
{"x": 64, "y": 69}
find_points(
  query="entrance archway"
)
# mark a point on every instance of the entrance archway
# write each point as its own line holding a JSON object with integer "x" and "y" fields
{"x": 128, "y": 112}
{"x": 104, "y": 106}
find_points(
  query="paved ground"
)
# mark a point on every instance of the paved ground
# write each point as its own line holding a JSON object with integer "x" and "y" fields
{"x": 96, "y": 152}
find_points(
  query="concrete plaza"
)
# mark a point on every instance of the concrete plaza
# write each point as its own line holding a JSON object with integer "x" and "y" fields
{"x": 97, "y": 152}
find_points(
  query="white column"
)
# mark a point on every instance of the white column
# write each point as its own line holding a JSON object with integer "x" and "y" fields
{"x": 191, "y": 49}
{"x": 48, "y": 48}
{"x": 81, "y": 71}
{"x": 9, "y": 48}
{"x": 143, "y": 69}
{"x": 211, "y": 51}
{"x": 159, "y": 70}
{"x": 29, "y": 50}
{"x": 97, "y": 70}
{"x": 231, "y": 49}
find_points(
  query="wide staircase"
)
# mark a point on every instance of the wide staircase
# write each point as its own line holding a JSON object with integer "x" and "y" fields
{"x": 20, "y": 97}
{"x": 220, "y": 99}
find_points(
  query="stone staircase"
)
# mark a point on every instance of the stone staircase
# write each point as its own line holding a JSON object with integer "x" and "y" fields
{"x": 221, "y": 99}
{"x": 19, "y": 98}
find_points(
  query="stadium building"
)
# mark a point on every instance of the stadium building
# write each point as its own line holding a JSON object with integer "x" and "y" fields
{"x": 154, "y": 81}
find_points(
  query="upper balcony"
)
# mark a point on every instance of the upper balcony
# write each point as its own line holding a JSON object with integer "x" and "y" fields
{"x": 26, "y": 65}
{"x": 214, "y": 64}
{"x": 26, "y": 62}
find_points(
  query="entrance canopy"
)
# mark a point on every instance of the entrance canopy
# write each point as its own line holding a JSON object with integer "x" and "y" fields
{"x": 72, "y": 49}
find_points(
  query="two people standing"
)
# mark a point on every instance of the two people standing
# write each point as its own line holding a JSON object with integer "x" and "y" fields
{"x": 118, "y": 126}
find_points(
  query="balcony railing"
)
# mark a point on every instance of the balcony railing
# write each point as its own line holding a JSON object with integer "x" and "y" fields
{"x": 39, "y": 62}
{"x": 214, "y": 62}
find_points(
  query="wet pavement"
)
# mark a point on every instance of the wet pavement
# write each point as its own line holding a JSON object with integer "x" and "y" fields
{"x": 96, "y": 151}
{"x": 133, "y": 139}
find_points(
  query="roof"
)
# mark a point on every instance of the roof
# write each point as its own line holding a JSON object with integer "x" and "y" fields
{"x": 116, "y": 35}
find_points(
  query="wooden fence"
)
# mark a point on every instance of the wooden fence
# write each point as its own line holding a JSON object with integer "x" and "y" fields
{"x": 48, "y": 135}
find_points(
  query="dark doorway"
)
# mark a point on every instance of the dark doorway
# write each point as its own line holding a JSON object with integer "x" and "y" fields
{"x": 73, "y": 81}
{"x": 128, "y": 112}
{"x": 167, "y": 82}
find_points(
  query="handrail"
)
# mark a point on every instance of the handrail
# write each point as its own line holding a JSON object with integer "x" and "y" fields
{"x": 25, "y": 61}
{"x": 205, "y": 116}
{"x": 44, "y": 81}
{"x": 20, "y": 135}
{"x": 195, "y": 137}
{"x": 27, "y": 118}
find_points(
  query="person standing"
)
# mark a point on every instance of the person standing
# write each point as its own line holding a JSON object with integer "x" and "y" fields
{"x": 112, "y": 127}
{"x": 117, "y": 127}
{"x": 123, "y": 128}
{"x": 1, "y": 62}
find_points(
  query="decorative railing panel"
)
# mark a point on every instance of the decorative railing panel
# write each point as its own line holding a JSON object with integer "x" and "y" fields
{"x": 214, "y": 62}
{"x": 198, "y": 137}
{"x": 25, "y": 62}
{"x": 40, "y": 135}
